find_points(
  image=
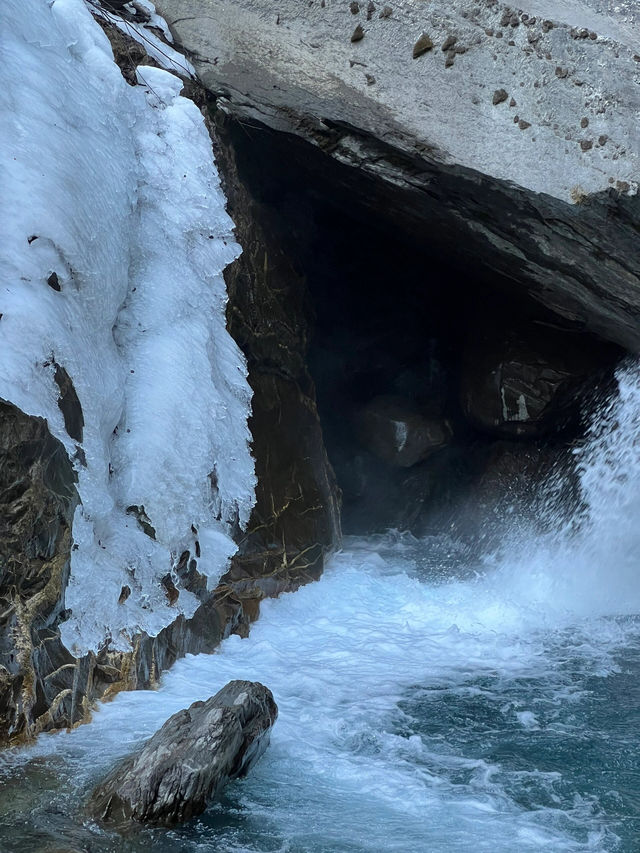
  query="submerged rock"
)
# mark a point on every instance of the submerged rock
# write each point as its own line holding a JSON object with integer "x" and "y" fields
{"x": 190, "y": 759}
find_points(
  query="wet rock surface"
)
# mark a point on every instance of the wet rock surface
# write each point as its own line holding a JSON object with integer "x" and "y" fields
{"x": 189, "y": 760}
{"x": 517, "y": 384}
{"x": 523, "y": 186}
{"x": 296, "y": 519}
{"x": 37, "y": 501}
{"x": 395, "y": 431}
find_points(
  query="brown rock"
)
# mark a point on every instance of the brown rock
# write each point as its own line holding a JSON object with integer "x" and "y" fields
{"x": 521, "y": 383}
{"x": 500, "y": 96}
{"x": 358, "y": 34}
{"x": 398, "y": 433}
{"x": 423, "y": 45}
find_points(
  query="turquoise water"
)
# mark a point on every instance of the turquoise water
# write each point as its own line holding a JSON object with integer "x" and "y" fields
{"x": 428, "y": 702}
{"x": 414, "y": 715}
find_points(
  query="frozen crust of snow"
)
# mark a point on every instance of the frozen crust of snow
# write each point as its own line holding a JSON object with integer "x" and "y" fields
{"x": 113, "y": 188}
{"x": 165, "y": 55}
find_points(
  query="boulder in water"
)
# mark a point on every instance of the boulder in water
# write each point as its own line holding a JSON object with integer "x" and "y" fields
{"x": 396, "y": 432}
{"x": 189, "y": 760}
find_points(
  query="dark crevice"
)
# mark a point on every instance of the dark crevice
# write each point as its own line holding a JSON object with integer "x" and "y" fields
{"x": 408, "y": 325}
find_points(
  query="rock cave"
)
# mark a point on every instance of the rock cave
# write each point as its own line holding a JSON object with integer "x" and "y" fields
{"x": 442, "y": 383}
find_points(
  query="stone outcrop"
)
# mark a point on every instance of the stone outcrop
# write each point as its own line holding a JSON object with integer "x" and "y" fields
{"x": 38, "y": 677}
{"x": 189, "y": 760}
{"x": 517, "y": 384}
{"x": 511, "y": 141}
{"x": 296, "y": 519}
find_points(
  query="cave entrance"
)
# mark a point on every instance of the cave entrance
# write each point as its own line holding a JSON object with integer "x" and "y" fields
{"x": 440, "y": 383}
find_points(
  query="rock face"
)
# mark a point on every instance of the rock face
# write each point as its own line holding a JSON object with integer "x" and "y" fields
{"x": 296, "y": 519}
{"x": 190, "y": 759}
{"x": 37, "y": 499}
{"x": 533, "y": 175}
{"x": 518, "y": 386}
{"x": 394, "y": 431}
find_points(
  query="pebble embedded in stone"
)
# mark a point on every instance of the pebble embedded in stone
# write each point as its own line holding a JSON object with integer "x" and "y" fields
{"x": 370, "y": 10}
{"x": 499, "y": 96}
{"x": 584, "y": 122}
{"x": 448, "y": 43}
{"x": 386, "y": 12}
{"x": 125, "y": 592}
{"x": 523, "y": 125}
{"x": 561, "y": 72}
{"x": 602, "y": 140}
{"x": 355, "y": 8}
{"x": 423, "y": 45}
{"x": 586, "y": 145}
{"x": 358, "y": 34}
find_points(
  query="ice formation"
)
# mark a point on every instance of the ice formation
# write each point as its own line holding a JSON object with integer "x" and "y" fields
{"x": 115, "y": 236}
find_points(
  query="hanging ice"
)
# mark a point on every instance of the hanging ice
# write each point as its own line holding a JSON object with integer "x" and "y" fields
{"x": 114, "y": 239}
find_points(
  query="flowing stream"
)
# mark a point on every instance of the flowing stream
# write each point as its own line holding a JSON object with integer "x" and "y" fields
{"x": 426, "y": 703}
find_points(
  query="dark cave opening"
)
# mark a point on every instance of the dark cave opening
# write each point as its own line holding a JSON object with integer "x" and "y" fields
{"x": 440, "y": 383}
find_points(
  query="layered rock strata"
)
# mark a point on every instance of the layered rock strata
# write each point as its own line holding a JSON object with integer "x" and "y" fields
{"x": 511, "y": 138}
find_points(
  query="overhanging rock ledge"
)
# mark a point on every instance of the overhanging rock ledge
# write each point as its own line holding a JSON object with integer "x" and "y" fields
{"x": 513, "y": 140}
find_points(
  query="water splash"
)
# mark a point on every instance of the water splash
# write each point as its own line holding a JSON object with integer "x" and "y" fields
{"x": 495, "y": 710}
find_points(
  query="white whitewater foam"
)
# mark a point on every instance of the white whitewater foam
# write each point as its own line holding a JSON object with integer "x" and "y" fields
{"x": 342, "y": 653}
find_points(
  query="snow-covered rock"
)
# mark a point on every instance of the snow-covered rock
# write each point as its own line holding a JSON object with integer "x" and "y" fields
{"x": 114, "y": 239}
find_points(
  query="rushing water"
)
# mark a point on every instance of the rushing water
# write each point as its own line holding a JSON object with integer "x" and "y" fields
{"x": 425, "y": 705}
